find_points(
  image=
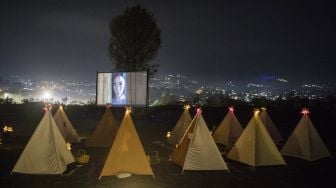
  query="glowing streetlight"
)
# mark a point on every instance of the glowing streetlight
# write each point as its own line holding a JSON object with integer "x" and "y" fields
{"x": 46, "y": 95}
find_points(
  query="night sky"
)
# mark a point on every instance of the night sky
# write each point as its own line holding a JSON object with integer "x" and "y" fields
{"x": 217, "y": 41}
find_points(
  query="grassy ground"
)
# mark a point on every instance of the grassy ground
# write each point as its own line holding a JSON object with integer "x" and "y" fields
{"x": 152, "y": 125}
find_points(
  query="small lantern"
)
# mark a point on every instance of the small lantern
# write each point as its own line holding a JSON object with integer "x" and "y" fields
{"x": 168, "y": 134}
{"x": 186, "y": 107}
{"x": 8, "y": 129}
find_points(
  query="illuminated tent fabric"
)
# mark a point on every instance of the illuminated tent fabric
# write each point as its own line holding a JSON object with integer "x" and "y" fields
{"x": 180, "y": 128}
{"x": 272, "y": 130}
{"x": 228, "y": 131}
{"x": 197, "y": 150}
{"x": 127, "y": 154}
{"x": 305, "y": 142}
{"x": 65, "y": 126}
{"x": 105, "y": 131}
{"x": 46, "y": 152}
{"x": 255, "y": 146}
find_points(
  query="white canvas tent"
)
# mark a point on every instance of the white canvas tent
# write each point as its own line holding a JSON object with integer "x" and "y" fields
{"x": 46, "y": 152}
{"x": 105, "y": 132}
{"x": 255, "y": 146}
{"x": 272, "y": 130}
{"x": 180, "y": 127}
{"x": 305, "y": 142}
{"x": 197, "y": 150}
{"x": 127, "y": 154}
{"x": 229, "y": 130}
{"x": 65, "y": 126}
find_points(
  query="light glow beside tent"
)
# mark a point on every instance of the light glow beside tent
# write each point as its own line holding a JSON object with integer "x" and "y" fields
{"x": 8, "y": 129}
{"x": 168, "y": 134}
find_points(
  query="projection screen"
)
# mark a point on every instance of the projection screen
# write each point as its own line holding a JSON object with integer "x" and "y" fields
{"x": 122, "y": 88}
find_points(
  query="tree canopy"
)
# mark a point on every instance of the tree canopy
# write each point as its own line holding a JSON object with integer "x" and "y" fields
{"x": 135, "y": 40}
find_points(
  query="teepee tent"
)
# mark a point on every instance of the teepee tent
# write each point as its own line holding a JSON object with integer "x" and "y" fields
{"x": 46, "y": 151}
{"x": 272, "y": 130}
{"x": 180, "y": 127}
{"x": 197, "y": 149}
{"x": 127, "y": 154}
{"x": 105, "y": 131}
{"x": 65, "y": 126}
{"x": 229, "y": 130}
{"x": 255, "y": 146}
{"x": 305, "y": 142}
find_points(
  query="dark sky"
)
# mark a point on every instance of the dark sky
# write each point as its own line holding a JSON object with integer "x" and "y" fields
{"x": 208, "y": 40}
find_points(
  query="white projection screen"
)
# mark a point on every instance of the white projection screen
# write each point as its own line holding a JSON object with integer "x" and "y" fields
{"x": 122, "y": 88}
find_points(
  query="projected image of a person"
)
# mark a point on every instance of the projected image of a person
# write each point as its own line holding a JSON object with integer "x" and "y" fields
{"x": 119, "y": 89}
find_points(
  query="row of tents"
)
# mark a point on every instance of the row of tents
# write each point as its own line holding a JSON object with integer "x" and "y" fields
{"x": 47, "y": 151}
{"x": 256, "y": 145}
{"x": 196, "y": 149}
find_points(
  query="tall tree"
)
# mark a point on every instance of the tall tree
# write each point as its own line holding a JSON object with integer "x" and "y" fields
{"x": 135, "y": 40}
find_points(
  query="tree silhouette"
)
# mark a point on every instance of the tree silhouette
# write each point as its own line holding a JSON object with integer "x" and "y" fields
{"x": 135, "y": 40}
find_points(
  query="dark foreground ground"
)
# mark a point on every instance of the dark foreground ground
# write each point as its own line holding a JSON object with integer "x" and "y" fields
{"x": 152, "y": 125}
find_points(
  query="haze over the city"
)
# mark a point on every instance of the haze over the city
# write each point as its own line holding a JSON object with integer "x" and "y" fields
{"x": 212, "y": 42}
